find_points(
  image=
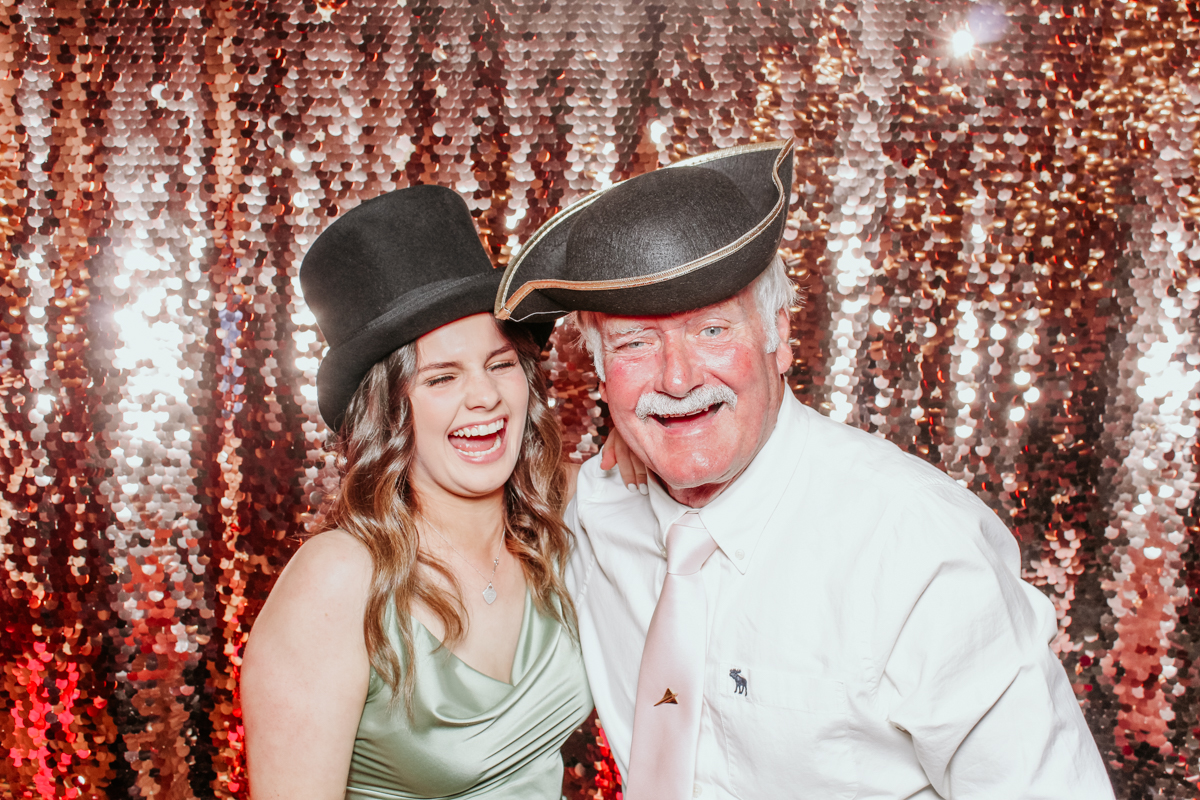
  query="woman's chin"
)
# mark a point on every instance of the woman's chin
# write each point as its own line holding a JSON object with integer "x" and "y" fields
{"x": 480, "y": 479}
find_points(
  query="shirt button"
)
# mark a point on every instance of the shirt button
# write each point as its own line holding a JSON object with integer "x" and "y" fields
{"x": 739, "y": 554}
{"x": 697, "y": 790}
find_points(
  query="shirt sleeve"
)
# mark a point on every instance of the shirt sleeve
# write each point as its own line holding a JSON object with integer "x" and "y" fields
{"x": 971, "y": 677}
{"x": 579, "y": 566}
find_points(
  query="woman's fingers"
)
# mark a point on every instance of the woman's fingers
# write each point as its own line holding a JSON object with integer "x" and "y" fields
{"x": 617, "y": 454}
{"x": 639, "y": 469}
{"x": 608, "y": 458}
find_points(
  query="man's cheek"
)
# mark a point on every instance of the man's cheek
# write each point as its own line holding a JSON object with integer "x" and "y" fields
{"x": 733, "y": 360}
{"x": 621, "y": 388}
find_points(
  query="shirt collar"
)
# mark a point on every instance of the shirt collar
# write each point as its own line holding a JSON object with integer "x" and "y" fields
{"x": 738, "y": 516}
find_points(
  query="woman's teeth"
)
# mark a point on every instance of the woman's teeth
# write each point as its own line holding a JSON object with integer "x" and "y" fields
{"x": 469, "y": 440}
{"x": 479, "y": 430}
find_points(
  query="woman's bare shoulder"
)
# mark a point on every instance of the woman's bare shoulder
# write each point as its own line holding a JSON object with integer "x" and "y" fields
{"x": 305, "y": 671}
{"x": 335, "y": 550}
{"x": 331, "y": 568}
{"x": 320, "y": 597}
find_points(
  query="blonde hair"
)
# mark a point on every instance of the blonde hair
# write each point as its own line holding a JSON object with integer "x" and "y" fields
{"x": 376, "y": 504}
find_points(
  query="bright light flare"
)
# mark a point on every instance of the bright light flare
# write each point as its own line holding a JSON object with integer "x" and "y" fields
{"x": 141, "y": 261}
{"x": 852, "y": 268}
{"x": 962, "y": 41}
{"x": 514, "y": 219}
{"x": 150, "y": 344}
{"x": 658, "y": 129}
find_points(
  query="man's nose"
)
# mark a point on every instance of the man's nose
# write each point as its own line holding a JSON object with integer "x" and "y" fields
{"x": 681, "y": 370}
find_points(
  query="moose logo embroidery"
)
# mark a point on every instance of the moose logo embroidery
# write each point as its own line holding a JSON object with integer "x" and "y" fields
{"x": 739, "y": 683}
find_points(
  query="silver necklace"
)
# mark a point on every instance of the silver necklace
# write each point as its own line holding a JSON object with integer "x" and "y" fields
{"x": 489, "y": 592}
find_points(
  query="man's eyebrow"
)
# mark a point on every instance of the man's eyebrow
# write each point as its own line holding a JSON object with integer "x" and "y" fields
{"x": 627, "y": 330}
{"x": 458, "y": 364}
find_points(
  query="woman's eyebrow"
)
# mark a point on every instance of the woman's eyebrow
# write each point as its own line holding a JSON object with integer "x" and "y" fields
{"x": 440, "y": 365}
{"x": 458, "y": 364}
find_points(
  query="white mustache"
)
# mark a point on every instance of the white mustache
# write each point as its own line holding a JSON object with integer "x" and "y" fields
{"x": 662, "y": 405}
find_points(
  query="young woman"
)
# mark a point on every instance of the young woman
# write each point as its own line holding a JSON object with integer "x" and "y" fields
{"x": 423, "y": 645}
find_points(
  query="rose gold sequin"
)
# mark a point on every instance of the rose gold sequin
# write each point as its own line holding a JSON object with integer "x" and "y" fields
{"x": 994, "y": 221}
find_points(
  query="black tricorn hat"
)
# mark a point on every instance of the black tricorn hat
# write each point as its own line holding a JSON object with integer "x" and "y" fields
{"x": 682, "y": 237}
{"x": 387, "y": 272}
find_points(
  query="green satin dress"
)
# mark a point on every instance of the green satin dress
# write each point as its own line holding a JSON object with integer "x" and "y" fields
{"x": 472, "y": 735}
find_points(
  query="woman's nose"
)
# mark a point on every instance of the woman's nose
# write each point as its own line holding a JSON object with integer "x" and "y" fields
{"x": 482, "y": 391}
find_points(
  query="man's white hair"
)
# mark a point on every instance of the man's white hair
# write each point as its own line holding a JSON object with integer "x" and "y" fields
{"x": 773, "y": 290}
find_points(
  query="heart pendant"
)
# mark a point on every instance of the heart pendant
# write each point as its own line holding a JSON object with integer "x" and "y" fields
{"x": 489, "y": 595}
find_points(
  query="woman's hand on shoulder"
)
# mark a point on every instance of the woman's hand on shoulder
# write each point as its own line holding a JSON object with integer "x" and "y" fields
{"x": 305, "y": 672}
{"x": 615, "y": 453}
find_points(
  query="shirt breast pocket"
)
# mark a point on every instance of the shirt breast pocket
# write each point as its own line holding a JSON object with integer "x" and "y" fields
{"x": 786, "y": 734}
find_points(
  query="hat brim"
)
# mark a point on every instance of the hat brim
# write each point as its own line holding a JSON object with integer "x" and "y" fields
{"x": 533, "y": 287}
{"x": 410, "y": 317}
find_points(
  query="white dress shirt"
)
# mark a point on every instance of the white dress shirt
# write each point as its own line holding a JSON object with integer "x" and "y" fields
{"x": 875, "y": 610}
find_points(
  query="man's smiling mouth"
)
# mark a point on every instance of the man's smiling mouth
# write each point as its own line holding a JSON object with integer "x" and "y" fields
{"x": 703, "y": 401}
{"x": 672, "y": 420}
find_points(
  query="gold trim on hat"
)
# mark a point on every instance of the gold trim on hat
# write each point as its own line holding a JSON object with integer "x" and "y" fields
{"x": 505, "y": 307}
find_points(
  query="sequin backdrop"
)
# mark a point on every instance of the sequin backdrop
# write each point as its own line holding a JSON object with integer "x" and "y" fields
{"x": 997, "y": 236}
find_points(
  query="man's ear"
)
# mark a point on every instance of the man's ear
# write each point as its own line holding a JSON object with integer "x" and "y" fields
{"x": 603, "y": 391}
{"x": 783, "y": 353}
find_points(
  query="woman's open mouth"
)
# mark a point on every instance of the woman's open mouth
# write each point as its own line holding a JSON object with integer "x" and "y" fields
{"x": 476, "y": 442}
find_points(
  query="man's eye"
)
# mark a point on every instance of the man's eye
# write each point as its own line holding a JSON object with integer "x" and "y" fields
{"x": 634, "y": 345}
{"x": 713, "y": 330}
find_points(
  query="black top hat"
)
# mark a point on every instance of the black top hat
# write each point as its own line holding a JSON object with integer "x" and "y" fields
{"x": 387, "y": 272}
{"x": 682, "y": 237}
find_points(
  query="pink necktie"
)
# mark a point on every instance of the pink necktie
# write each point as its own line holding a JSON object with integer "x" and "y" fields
{"x": 666, "y": 714}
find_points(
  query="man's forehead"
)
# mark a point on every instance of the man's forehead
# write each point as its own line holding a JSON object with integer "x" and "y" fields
{"x": 618, "y": 325}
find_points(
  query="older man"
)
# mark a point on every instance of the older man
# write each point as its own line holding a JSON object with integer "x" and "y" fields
{"x": 796, "y": 608}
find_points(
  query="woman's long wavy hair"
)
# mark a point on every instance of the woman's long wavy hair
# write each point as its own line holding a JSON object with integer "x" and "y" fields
{"x": 375, "y": 502}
